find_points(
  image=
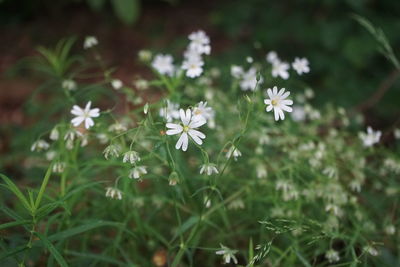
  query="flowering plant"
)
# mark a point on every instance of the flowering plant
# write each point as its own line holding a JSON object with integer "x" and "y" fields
{"x": 206, "y": 174}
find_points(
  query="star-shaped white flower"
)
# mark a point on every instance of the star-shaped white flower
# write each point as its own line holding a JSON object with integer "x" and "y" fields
{"x": 278, "y": 102}
{"x": 272, "y": 57}
{"x": 249, "y": 80}
{"x": 84, "y": 115}
{"x": 163, "y": 64}
{"x": 300, "y": 65}
{"x": 371, "y": 137}
{"x": 227, "y": 254}
{"x": 187, "y": 128}
{"x": 193, "y": 66}
{"x": 202, "y": 110}
{"x": 280, "y": 69}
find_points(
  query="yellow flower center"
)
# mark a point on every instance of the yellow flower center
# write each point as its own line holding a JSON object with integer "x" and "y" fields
{"x": 274, "y": 102}
{"x": 185, "y": 128}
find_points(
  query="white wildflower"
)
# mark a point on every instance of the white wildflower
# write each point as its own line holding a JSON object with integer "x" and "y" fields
{"x": 201, "y": 109}
{"x": 233, "y": 152}
{"x": 332, "y": 256}
{"x": 209, "y": 169}
{"x": 170, "y": 111}
{"x": 59, "y": 167}
{"x": 300, "y": 65}
{"x": 54, "y": 134}
{"x": 187, "y": 128}
{"x": 237, "y": 71}
{"x": 111, "y": 151}
{"x": 40, "y": 145}
{"x": 278, "y": 102}
{"x": 193, "y": 66}
{"x": 163, "y": 64}
{"x": 371, "y": 137}
{"x": 69, "y": 85}
{"x": 114, "y": 193}
{"x": 131, "y": 157}
{"x": 272, "y": 57}
{"x": 249, "y": 80}
{"x": 137, "y": 172}
{"x": 200, "y": 42}
{"x": 371, "y": 250}
{"x": 227, "y": 254}
{"x": 84, "y": 115}
{"x": 89, "y": 42}
{"x": 280, "y": 69}
{"x": 116, "y": 84}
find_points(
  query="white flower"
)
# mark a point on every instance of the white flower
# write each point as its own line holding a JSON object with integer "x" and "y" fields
{"x": 131, "y": 156}
{"x": 54, "y": 134}
{"x": 84, "y": 115}
{"x": 69, "y": 84}
{"x": 111, "y": 151}
{"x": 227, "y": 254}
{"x": 301, "y": 65}
{"x": 236, "y": 71}
{"x": 278, "y": 102}
{"x": 187, "y": 128}
{"x": 396, "y": 133}
{"x": 59, "y": 167}
{"x": 89, "y": 42}
{"x": 261, "y": 171}
{"x": 112, "y": 192}
{"x": 332, "y": 256}
{"x": 249, "y": 60}
{"x": 272, "y": 57}
{"x": 209, "y": 169}
{"x": 371, "y": 137}
{"x": 137, "y": 172}
{"x": 40, "y": 145}
{"x": 202, "y": 110}
{"x": 371, "y": 250}
{"x": 50, "y": 155}
{"x": 249, "y": 80}
{"x": 163, "y": 64}
{"x": 390, "y": 229}
{"x": 236, "y": 204}
{"x": 200, "y": 42}
{"x": 280, "y": 69}
{"x": 118, "y": 127}
{"x": 233, "y": 151}
{"x": 193, "y": 66}
{"x": 299, "y": 113}
{"x": 117, "y": 84}
{"x": 170, "y": 112}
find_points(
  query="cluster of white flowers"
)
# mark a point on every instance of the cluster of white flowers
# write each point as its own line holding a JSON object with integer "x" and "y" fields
{"x": 281, "y": 68}
{"x": 193, "y": 57}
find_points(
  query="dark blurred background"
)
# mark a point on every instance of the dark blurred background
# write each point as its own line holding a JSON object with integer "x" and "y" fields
{"x": 346, "y": 68}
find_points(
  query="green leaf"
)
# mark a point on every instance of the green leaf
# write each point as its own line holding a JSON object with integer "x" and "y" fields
{"x": 12, "y": 252}
{"x": 126, "y": 10}
{"x": 81, "y": 229}
{"x": 56, "y": 254}
{"x": 12, "y": 224}
{"x": 13, "y": 188}
{"x": 43, "y": 187}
